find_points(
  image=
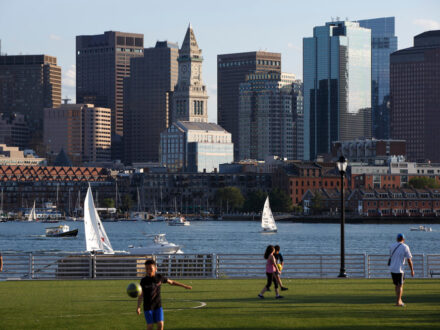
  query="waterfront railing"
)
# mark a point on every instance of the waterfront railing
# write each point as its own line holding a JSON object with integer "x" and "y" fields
{"x": 49, "y": 266}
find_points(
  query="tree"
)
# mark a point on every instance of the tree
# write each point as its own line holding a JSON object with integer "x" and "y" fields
{"x": 317, "y": 205}
{"x": 254, "y": 201}
{"x": 423, "y": 182}
{"x": 108, "y": 203}
{"x": 280, "y": 201}
{"x": 229, "y": 198}
{"x": 127, "y": 203}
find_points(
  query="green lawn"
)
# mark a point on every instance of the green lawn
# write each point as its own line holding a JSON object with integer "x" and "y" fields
{"x": 230, "y": 304}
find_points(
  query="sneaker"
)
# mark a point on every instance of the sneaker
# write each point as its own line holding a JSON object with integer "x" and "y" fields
{"x": 279, "y": 297}
{"x": 260, "y": 296}
{"x": 283, "y": 288}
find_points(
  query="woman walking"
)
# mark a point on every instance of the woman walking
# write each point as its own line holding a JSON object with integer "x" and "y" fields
{"x": 271, "y": 271}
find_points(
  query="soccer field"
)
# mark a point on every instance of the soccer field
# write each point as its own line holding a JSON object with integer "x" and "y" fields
{"x": 222, "y": 304}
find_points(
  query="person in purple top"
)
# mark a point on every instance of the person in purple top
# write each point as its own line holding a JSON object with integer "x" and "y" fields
{"x": 271, "y": 271}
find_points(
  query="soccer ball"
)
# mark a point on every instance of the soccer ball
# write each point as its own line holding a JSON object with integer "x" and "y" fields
{"x": 280, "y": 267}
{"x": 134, "y": 290}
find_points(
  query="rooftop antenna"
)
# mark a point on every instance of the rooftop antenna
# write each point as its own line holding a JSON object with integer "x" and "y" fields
{"x": 66, "y": 100}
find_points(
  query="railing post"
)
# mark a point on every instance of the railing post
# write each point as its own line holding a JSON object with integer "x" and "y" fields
{"x": 213, "y": 265}
{"x": 320, "y": 266}
{"x": 217, "y": 266}
{"x": 365, "y": 265}
{"x": 31, "y": 266}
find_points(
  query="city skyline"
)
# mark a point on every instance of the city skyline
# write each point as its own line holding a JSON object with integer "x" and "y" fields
{"x": 229, "y": 28}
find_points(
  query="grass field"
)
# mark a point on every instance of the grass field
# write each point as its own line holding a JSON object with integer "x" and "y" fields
{"x": 230, "y": 304}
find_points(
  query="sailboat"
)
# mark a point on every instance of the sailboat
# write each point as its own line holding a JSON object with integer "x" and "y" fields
{"x": 32, "y": 214}
{"x": 267, "y": 219}
{"x": 96, "y": 237}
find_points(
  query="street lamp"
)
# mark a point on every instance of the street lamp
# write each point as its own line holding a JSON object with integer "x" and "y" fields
{"x": 342, "y": 167}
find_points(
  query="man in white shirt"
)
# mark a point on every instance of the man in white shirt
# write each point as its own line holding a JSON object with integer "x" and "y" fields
{"x": 399, "y": 251}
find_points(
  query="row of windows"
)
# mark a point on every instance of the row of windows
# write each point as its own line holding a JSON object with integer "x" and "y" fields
{"x": 249, "y": 62}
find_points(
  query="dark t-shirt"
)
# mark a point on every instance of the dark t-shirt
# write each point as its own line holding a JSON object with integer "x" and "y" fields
{"x": 279, "y": 258}
{"x": 151, "y": 290}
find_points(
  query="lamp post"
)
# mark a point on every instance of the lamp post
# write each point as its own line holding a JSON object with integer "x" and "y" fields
{"x": 342, "y": 167}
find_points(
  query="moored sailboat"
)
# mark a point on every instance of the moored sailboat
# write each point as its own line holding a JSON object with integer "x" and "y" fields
{"x": 267, "y": 219}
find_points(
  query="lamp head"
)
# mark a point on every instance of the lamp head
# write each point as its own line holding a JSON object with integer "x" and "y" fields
{"x": 342, "y": 164}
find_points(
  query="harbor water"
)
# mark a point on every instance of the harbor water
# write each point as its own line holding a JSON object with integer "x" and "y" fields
{"x": 227, "y": 237}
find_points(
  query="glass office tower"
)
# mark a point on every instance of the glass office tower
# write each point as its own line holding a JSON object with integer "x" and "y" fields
{"x": 337, "y": 86}
{"x": 383, "y": 43}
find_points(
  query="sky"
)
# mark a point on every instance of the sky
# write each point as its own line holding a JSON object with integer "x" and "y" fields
{"x": 221, "y": 27}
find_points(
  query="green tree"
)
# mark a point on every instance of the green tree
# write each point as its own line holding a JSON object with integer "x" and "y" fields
{"x": 254, "y": 201}
{"x": 229, "y": 199}
{"x": 317, "y": 205}
{"x": 423, "y": 182}
{"x": 127, "y": 203}
{"x": 108, "y": 203}
{"x": 280, "y": 201}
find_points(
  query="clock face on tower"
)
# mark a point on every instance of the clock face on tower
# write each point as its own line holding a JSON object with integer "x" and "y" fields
{"x": 184, "y": 69}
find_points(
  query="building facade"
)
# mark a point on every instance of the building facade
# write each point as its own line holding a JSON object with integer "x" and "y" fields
{"x": 82, "y": 130}
{"x": 102, "y": 62}
{"x": 195, "y": 147}
{"x": 266, "y": 116}
{"x": 383, "y": 43}
{"x": 190, "y": 98}
{"x": 14, "y": 156}
{"x": 415, "y": 97}
{"x": 148, "y": 101}
{"x": 337, "y": 86}
{"x": 14, "y": 130}
{"x": 232, "y": 70}
{"x": 28, "y": 84}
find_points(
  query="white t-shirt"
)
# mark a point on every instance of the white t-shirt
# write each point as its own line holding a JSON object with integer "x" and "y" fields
{"x": 398, "y": 259}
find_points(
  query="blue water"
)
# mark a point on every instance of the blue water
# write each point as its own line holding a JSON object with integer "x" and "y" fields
{"x": 228, "y": 237}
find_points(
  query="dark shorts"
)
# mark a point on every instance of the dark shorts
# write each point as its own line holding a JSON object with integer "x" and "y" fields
{"x": 271, "y": 278}
{"x": 398, "y": 278}
{"x": 154, "y": 316}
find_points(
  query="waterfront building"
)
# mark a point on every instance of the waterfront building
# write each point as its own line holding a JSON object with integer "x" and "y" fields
{"x": 337, "y": 86}
{"x": 266, "y": 116}
{"x": 399, "y": 202}
{"x": 190, "y": 97}
{"x": 383, "y": 43}
{"x": 10, "y": 155}
{"x": 415, "y": 97}
{"x": 82, "y": 130}
{"x": 14, "y": 130}
{"x": 371, "y": 151}
{"x": 28, "y": 84}
{"x": 148, "y": 101}
{"x": 102, "y": 63}
{"x": 295, "y": 178}
{"x": 195, "y": 147}
{"x": 232, "y": 70}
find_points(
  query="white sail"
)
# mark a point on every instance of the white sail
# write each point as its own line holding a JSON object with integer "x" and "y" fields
{"x": 32, "y": 214}
{"x": 96, "y": 237}
{"x": 267, "y": 219}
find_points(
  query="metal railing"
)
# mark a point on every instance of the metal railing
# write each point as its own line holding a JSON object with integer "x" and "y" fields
{"x": 126, "y": 266}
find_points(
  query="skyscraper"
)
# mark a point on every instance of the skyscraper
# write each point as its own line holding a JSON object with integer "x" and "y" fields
{"x": 148, "y": 100}
{"x": 28, "y": 84}
{"x": 383, "y": 43}
{"x": 102, "y": 62}
{"x": 83, "y": 131}
{"x": 232, "y": 70}
{"x": 415, "y": 96}
{"x": 265, "y": 116}
{"x": 190, "y": 98}
{"x": 337, "y": 86}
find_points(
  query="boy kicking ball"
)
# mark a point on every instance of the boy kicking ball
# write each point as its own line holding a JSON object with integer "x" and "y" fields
{"x": 150, "y": 295}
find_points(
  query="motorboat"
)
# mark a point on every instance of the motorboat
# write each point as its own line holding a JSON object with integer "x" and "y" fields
{"x": 267, "y": 220}
{"x": 158, "y": 245}
{"x": 178, "y": 221}
{"x": 61, "y": 231}
{"x": 421, "y": 228}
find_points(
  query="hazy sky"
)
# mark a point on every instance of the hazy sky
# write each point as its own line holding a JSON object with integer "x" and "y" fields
{"x": 50, "y": 27}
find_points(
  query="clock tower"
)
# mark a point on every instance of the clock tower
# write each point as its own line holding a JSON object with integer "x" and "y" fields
{"x": 190, "y": 98}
